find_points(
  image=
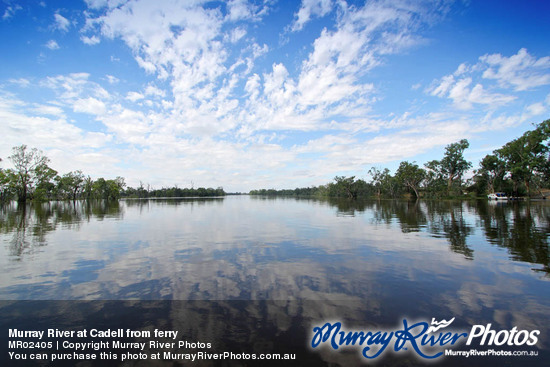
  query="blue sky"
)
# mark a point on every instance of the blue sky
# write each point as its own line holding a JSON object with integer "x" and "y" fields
{"x": 261, "y": 94}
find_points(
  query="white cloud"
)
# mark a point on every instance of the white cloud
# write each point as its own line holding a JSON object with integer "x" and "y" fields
{"x": 308, "y": 9}
{"x": 49, "y": 110}
{"x": 240, "y": 9}
{"x": 517, "y": 73}
{"x": 458, "y": 87}
{"x": 444, "y": 86}
{"x": 237, "y": 34}
{"x": 21, "y": 82}
{"x": 112, "y": 79}
{"x": 188, "y": 46}
{"x": 52, "y": 45}
{"x": 75, "y": 86}
{"x": 45, "y": 127}
{"x": 464, "y": 97}
{"x": 90, "y": 106}
{"x": 128, "y": 126}
{"x": 134, "y": 96}
{"x": 96, "y": 4}
{"x": 93, "y": 40}
{"x": 210, "y": 109}
{"x": 349, "y": 155}
{"x": 72, "y": 85}
{"x": 61, "y": 22}
{"x": 537, "y": 109}
{"x": 151, "y": 90}
{"x": 520, "y": 71}
{"x": 10, "y": 11}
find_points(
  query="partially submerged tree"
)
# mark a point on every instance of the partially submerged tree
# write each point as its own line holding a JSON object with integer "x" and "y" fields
{"x": 343, "y": 186}
{"x": 4, "y": 185}
{"x": 108, "y": 189}
{"x": 410, "y": 176}
{"x": 72, "y": 184}
{"x": 383, "y": 182}
{"x": 30, "y": 166}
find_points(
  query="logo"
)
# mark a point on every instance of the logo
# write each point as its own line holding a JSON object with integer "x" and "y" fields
{"x": 428, "y": 341}
{"x": 439, "y": 325}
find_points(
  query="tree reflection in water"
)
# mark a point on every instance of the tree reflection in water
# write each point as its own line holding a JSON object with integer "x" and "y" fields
{"x": 29, "y": 223}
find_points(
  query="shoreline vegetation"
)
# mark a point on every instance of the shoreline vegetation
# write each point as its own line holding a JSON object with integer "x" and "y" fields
{"x": 520, "y": 168}
{"x": 33, "y": 179}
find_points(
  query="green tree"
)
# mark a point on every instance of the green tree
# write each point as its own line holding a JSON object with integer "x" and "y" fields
{"x": 72, "y": 184}
{"x": 45, "y": 186}
{"x": 527, "y": 158}
{"x": 87, "y": 187}
{"x": 344, "y": 187}
{"x": 108, "y": 189}
{"x": 410, "y": 176}
{"x": 492, "y": 170}
{"x": 29, "y": 166}
{"x": 453, "y": 165}
{"x": 383, "y": 182}
{"x": 5, "y": 187}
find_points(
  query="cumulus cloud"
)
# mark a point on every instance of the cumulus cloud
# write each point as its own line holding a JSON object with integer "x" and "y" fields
{"x": 134, "y": 96}
{"x": 214, "y": 94}
{"x": 61, "y": 22}
{"x": 152, "y": 90}
{"x": 240, "y": 9}
{"x": 188, "y": 45}
{"x": 49, "y": 110}
{"x": 461, "y": 88}
{"x": 309, "y": 9}
{"x": 464, "y": 97}
{"x": 222, "y": 108}
{"x": 41, "y": 126}
{"x": 521, "y": 71}
{"x": 112, "y": 79}
{"x": 74, "y": 86}
{"x": 93, "y": 40}
{"x": 90, "y": 106}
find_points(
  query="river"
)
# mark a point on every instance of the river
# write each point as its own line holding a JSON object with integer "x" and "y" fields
{"x": 275, "y": 267}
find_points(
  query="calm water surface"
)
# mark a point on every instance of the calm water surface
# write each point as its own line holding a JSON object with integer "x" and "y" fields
{"x": 369, "y": 262}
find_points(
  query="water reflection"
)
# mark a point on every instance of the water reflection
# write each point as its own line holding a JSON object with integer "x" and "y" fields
{"x": 521, "y": 229}
{"x": 29, "y": 224}
{"x": 282, "y": 264}
{"x": 256, "y": 248}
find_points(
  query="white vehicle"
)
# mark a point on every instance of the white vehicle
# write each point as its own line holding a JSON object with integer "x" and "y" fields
{"x": 497, "y": 196}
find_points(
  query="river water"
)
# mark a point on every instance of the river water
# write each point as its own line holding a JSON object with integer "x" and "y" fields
{"x": 275, "y": 267}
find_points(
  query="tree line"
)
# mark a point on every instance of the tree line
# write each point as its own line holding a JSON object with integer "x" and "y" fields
{"x": 33, "y": 179}
{"x": 172, "y": 192}
{"x": 520, "y": 168}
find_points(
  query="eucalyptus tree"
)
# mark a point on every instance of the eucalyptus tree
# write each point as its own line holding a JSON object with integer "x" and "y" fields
{"x": 5, "y": 192}
{"x": 527, "y": 157}
{"x": 453, "y": 165}
{"x": 343, "y": 187}
{"x": 492, "y": 170}
{"x": 45, "y": 188}
{"x": 72, "y": 184}
{"x": 108, "y": 189}
{"x": 87, "y": 187}
{"x": 383, "y": 182}
{"x": 411, "y": 176}
{"x": 30, "y": 168}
